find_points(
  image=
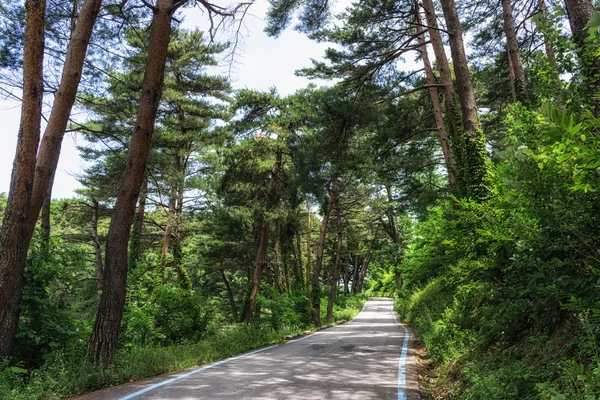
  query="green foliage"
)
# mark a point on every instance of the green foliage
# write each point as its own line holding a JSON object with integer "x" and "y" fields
{"x": 65, "y": 373}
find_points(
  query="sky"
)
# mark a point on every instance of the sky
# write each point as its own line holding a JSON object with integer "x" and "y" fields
{"x": 260, "y": 63}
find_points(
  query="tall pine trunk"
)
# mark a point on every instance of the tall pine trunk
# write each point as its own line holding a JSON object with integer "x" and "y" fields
{"x": 355, "y": 273}
{"x": 517, "y": 72}
{"x": 14, "y": 240}
{"x": 98, "y": 261}
{"x": 338, "y": 259}
{"x": 473, "y": 173}
{"x": 103, "y": 341}
{"x": 363, "y": 271}
{"x": 262, "y": 258}
{"x": 308, "y": 249}
{"x": 316, "y": 273}
{"x": 64, "y": 98}
{"x": 435, "y": 102}
{"x": 580, "y": 12}
{"x": 299, "y": 273}
{"x": 551, "y": 55}
{"x": 443, "y": 67}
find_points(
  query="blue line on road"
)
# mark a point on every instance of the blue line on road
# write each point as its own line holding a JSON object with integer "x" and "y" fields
{"x": 402, "y": 362}
{"x": 131, "y": 396}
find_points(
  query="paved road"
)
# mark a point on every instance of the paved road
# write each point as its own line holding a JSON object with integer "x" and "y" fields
{"x": 363, "y": 359}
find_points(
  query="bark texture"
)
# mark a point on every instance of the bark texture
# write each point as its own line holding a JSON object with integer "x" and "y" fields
{"x": 103, "y": 341}
{"x": 443, "y": 66}
{"x": 338, "y": 258}
{"x": 316, "y": 275}
{"x": 435, "y": 102}
{"x": 580, "y": 12}
{"x": 516, "y": 65}
{"x": 472, "y": 164}
{"x": 14, "y": 238}
{"x": 262, "y": 258}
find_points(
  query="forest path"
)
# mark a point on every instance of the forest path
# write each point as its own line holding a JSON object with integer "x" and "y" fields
{"x": 370, "y": 357}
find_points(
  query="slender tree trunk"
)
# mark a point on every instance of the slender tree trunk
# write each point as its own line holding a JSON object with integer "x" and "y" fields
{"x": 551, "y": 56}
{"x": 316, "y": 274}
{"x": 234, "y": 310}
{"x": 308, "y": 250}
{"x": 159, "y": 274}
{"x": 262, "y": 258}
{"x": 300, "y": 273}
{"x": 49, "y": 151}
{"x": 474, "y": 162}
{"x": 14, "y": 240}
{"x": 135, "y": 248}
{"x": 184, "y": 277}
{"x": 103, "y": 341}
{"x": 277, "y": 261}
{"x": 355, "y": 274}
{"x": 443, "y": 66}
{"x": 338, "y": 259}
{"x": 435, "y": 102}
{"x": 514, "y": 55}
{"x": 260, "y": 264}
{"x": 98, "y": 262}
{"x": 580, "y": 12}
{"x": 363, "y": 271}
{"x": 346, "y": 286}
{"x": 45, "y": 225}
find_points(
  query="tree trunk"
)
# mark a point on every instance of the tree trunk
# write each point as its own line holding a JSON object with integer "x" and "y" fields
{"x": 355, "y": 273}
{"x": 49, "y": 152}
{"x": 338, "y": 259}
{"x": 98, "y": 262}
{"x": 234, "y": 310}
{"x": 14, "y": 240}
{"x": 103, "y": 341}
{"x": 514, "y": 55}
{"x": 580, "y": 12}
{"x": 276, "y": 260}
{"x": 261, "y": 263}
{"x": 473, "y": 168}
{"x": 159, "y": 274}
{"x": 45, "y": 225}
{"x": 300, "y": 274}
{"x": 363, "y": 271}
{"x": 262, "y": 258}
{"x": 437, "y": 109}
{"x": 316, "y": 275}
{"x": 135, "y": 248}
{"x": 346, "y": 286}
{"x": 184, "y": 277}
{"x": 443, "y": 66}
{"x": 551, "y": 56}
{"x": 308, "y": 233}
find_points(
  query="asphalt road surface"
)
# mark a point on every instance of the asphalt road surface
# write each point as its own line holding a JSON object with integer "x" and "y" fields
{"x": 369, "y": 357}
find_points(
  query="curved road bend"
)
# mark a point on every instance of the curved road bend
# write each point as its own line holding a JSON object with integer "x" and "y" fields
{"x": 362, "y": 359}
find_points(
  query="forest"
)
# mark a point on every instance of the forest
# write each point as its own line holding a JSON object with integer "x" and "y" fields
{"x": 452, "y": 162}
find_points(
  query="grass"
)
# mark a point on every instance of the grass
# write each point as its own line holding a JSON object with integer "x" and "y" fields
{"x": 65, "y": 373}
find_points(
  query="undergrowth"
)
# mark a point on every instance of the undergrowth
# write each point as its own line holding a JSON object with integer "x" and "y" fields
{"x": 65, "y": 373}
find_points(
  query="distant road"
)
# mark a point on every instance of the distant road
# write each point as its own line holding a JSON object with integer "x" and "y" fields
{"x": 367, "y": 358}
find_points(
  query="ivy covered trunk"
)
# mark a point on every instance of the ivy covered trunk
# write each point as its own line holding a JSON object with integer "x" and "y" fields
{"x": 472, "y": 166}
